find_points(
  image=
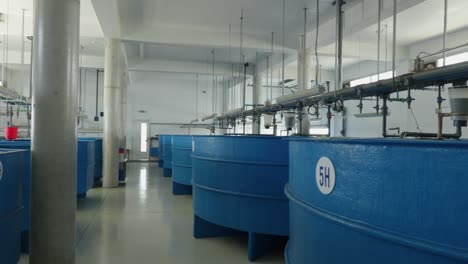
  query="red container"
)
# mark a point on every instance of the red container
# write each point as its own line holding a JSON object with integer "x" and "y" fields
{"x": 11, "y": 133}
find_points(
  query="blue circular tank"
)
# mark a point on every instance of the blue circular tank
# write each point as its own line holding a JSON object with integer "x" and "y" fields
{"x": 11, "y": 174}
{"x": 167, "y": 155}
{"x": 377, "y": 201}
{"x": 182, "y": 164}
{"x": 238, "y": 183}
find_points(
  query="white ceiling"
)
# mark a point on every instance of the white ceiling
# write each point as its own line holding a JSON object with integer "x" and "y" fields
{"x": 184, "y": 32}
{"x": 90, "y": 30}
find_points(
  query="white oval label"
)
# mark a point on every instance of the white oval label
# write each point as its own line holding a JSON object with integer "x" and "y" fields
{"x": 325, "y": 175}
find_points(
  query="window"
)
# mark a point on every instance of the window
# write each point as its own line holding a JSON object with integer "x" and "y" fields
{"x": 144, "y": 137}
{"x": 371, "y": 79}
{"x": 319, "y": 131}
{"x": 450, "y": 60}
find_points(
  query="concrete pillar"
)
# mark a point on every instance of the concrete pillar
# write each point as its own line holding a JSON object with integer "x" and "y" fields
{"x": 54, "y": 124}
{"x": 112, "y": 105}
{"x": 123, "y": 111}
{"x": 257, "y": 99}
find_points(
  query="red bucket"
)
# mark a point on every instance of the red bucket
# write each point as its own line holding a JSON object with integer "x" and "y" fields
{"x": 11, "y": 133}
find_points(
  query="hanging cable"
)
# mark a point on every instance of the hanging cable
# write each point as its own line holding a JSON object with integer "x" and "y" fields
{"x": 415, "y": 120}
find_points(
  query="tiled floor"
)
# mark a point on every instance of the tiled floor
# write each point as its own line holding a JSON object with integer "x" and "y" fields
{"x": 144, "y": 223}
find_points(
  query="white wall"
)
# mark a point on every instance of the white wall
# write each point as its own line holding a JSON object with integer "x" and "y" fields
{"x": 424, "y": 106}
{"x": 166, "y": 98}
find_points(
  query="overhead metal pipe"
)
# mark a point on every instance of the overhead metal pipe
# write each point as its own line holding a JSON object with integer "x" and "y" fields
{"x": 445, "y": 74}
{"x": 54, "y": 125}
{"x": 112, "y": 78}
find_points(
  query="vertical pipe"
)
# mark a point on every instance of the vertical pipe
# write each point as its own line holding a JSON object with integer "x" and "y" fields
{"x": 317, "y": 67}
{"x": 111, "y": 114}
{"x": 96, "y": 115}
{"x": 445, "y": 30}
{"x": 379, "y": 31}
{"x": 384, "y": 116}
{"x": 4, "y": 59}
{"x": 54, "y": 145}
{"x": 213, "y": 87}
{"x": 271, "y": 64}
{"x": 30, "y": 86}
{"x": 196, "y": 97}
{"x": 22, "y": 35}
{"x": 304, "y": 51}
{"x": 394, "y": 43}
{"x": 339, "y": 46}
{"x": 267, "y": 76}
{"x": 244, "y": 84}
{"x": 299, "y": 63}
{"x": 241, "y": 51}
{"x": 284, "y": 54}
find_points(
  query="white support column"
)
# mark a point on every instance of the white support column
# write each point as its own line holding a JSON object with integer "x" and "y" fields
{"x": 112, "y": 104}
{"x": 257, "y": 99}
{"x": 307, "y": 57}
{"x": 300, "y": 64}
{"x": 54, "y": 125}
{"x": 306, "y": 84}
{"x": 123, "y": 111}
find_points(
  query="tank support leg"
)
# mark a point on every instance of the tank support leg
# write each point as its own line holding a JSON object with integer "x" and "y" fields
{"x": 167, "y": 173}
{"x": 181, "y": 189}
{"x": 205, "y": 229}
{"x": 260, "y": 244}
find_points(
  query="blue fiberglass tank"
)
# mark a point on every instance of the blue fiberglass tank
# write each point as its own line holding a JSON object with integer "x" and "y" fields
{"x": 378, "y": 201}
{"x": 181, "y": 165}
{"x": 86, "y": 161}
{"x": 161, "y": 152}
{"x": 167, "y": 152}
{"x": 11, "y": 174}
{"x": 97, "y": 158}
{"x": 238, "y": 184}
{"x": 26, "y": 182}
